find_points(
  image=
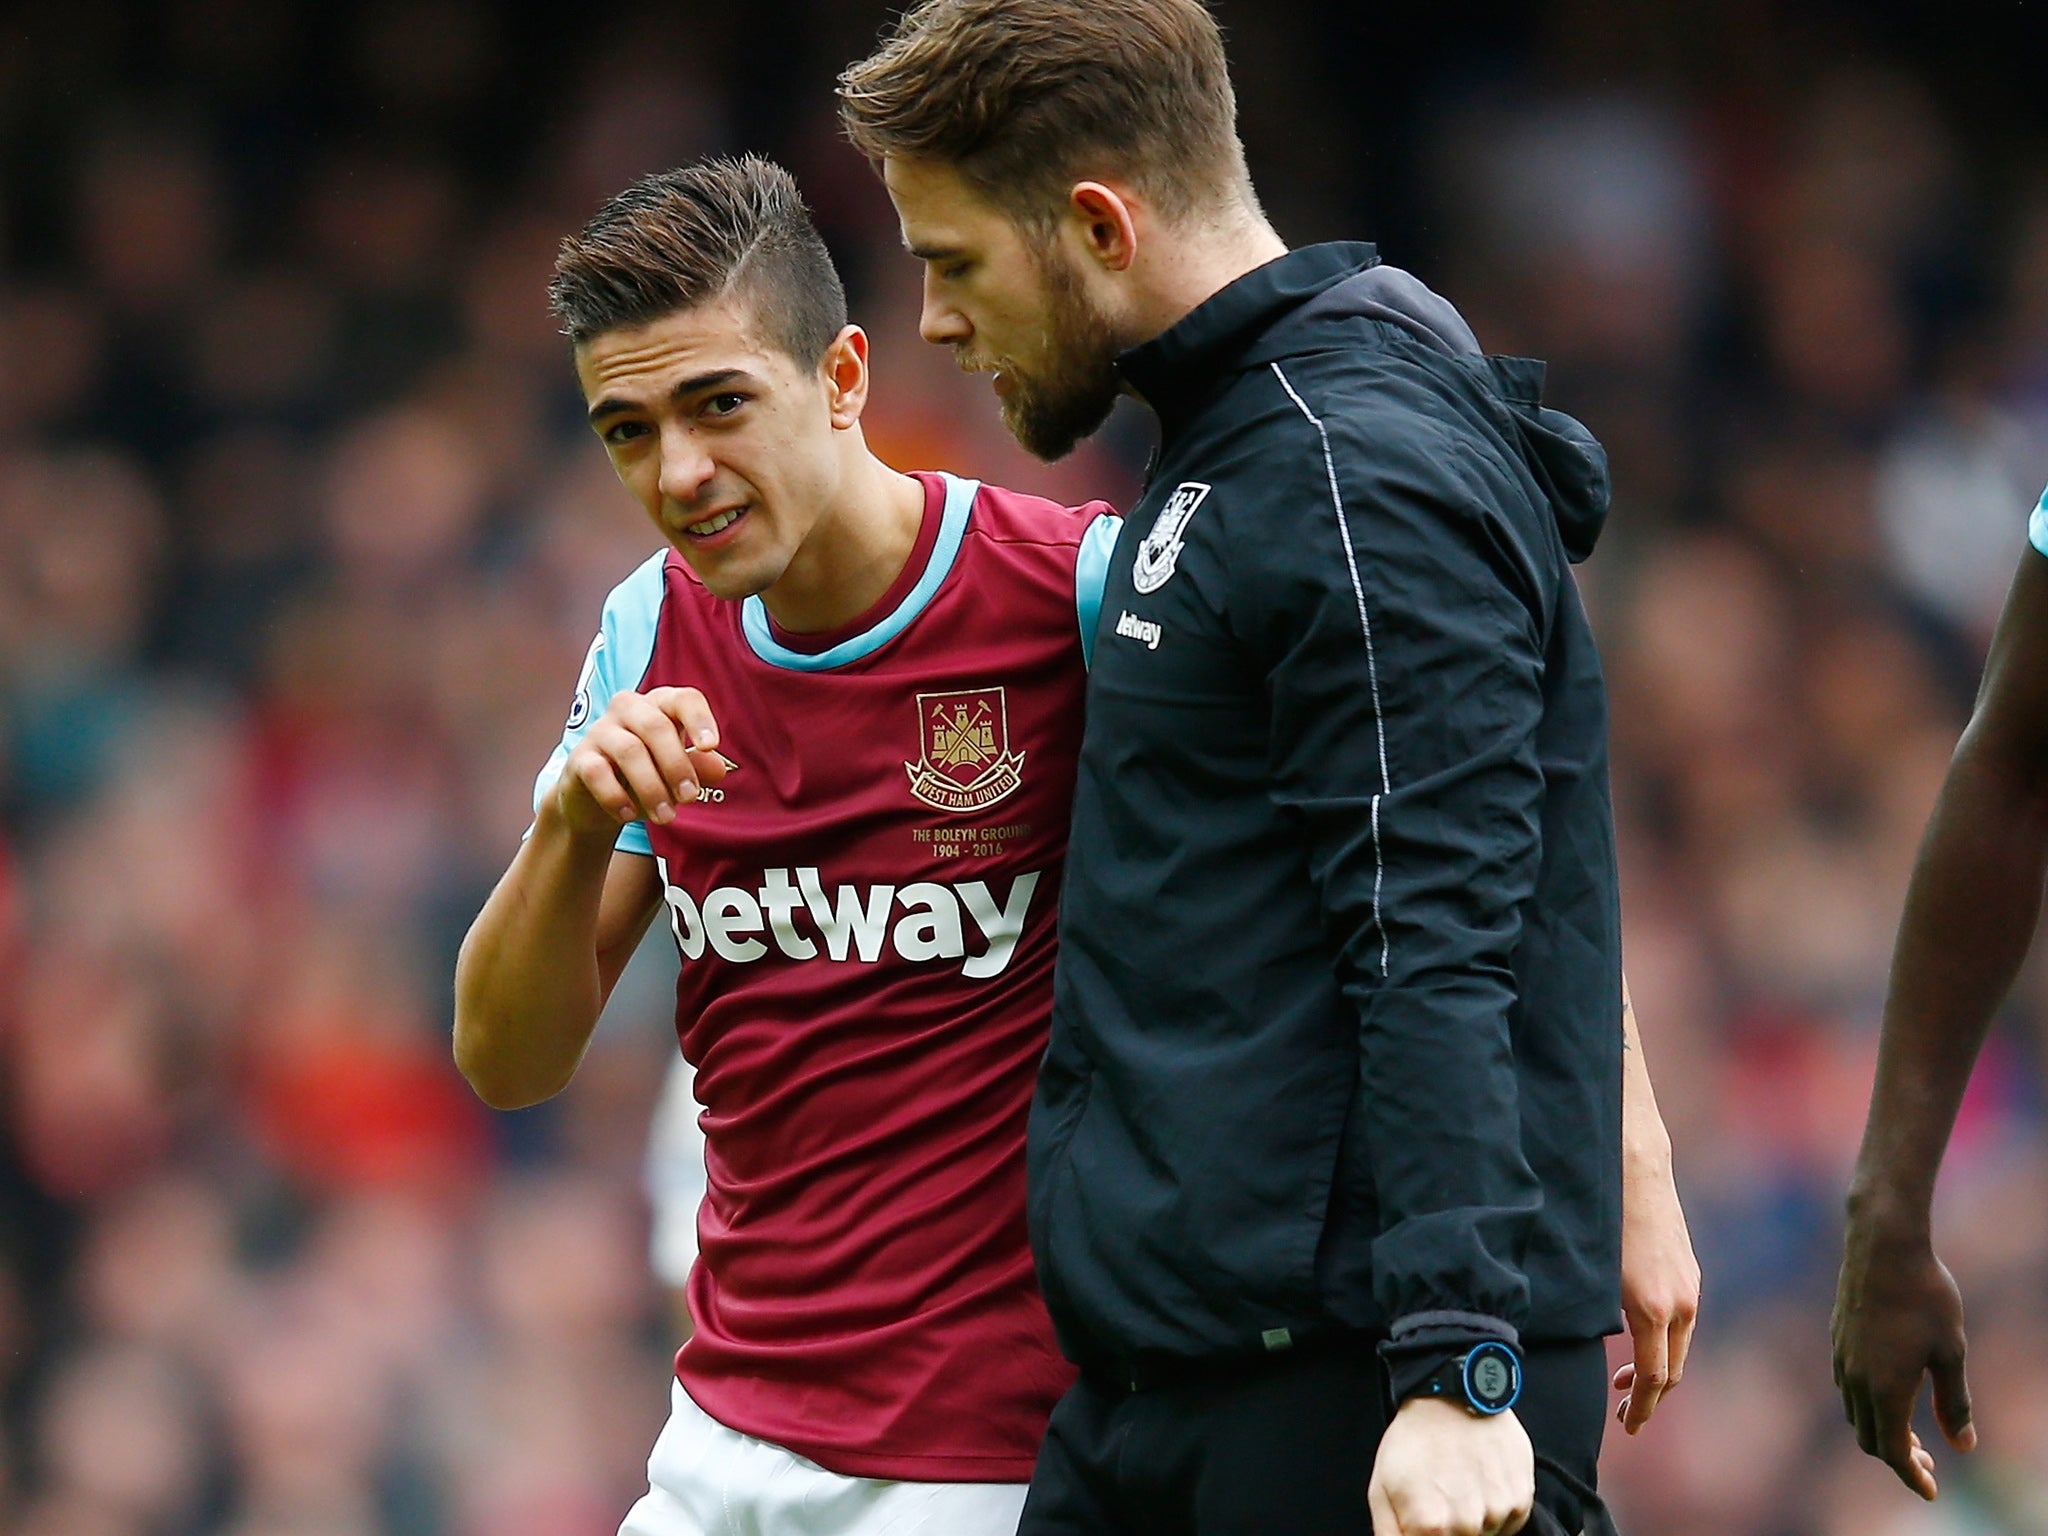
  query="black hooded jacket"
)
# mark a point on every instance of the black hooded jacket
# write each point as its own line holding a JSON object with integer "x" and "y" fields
{"x": 1337, "y": 1033}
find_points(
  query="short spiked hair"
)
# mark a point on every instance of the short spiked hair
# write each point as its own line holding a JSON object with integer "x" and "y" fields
{"x": 677, "y": 239}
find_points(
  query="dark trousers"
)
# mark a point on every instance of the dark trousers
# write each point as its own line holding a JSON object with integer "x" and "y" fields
{"x": 1285, "y": 1447}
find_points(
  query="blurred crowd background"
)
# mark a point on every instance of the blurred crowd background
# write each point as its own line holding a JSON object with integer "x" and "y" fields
{"x": 302, "y": 540}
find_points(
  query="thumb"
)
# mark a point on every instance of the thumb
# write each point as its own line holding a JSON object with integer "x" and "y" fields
{"x": 1952, "y": 1402}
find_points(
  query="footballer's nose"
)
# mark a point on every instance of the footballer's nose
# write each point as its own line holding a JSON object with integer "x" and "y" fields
{"x": 686, "y": 466}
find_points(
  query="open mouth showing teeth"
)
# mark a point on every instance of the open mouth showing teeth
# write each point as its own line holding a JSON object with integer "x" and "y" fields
{"x": 718, "y": 524}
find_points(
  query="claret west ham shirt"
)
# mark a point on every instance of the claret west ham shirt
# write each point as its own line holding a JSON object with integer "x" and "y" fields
{"x": 865, "y": 914}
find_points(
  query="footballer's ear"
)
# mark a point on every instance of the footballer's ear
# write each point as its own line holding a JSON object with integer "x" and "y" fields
{"x": 844, "y": 371}
{"x": 1103, "y": 219}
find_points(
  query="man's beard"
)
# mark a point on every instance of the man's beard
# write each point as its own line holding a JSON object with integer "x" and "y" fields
{"x": 1049, "y": 411}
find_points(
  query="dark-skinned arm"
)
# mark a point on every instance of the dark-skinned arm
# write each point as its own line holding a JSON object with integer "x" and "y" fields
{"x": 1970, "y": 915}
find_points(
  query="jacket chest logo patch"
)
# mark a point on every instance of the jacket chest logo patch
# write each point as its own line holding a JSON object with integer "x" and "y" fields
{"x": 965, "y": 762}
{"x": 1160, "y": 552}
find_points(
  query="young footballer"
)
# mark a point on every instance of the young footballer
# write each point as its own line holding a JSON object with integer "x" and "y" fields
{"x": 829, "y": 731}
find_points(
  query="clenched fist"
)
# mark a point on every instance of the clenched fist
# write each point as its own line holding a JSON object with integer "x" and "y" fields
{"x": 1445, "y": 1471}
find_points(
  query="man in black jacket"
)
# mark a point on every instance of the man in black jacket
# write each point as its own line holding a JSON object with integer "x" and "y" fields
{"x": 1326, "y": 1160}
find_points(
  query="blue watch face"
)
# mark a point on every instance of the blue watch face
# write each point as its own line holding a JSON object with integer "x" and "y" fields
{"x": 1493, "y": 1378}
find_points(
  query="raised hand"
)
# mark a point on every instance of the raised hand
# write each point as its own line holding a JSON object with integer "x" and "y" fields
{"x": 647, "y": 754}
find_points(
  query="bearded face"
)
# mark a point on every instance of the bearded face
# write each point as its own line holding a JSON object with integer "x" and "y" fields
{"x": 1060, "y": 388}
{"x": 1009, "y": 299}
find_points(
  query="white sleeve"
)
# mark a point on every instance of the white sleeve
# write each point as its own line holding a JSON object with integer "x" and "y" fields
{"x": 1091, "y": 574}
{"x": 2037, "y": 525}
{"x": 618, "y": 659}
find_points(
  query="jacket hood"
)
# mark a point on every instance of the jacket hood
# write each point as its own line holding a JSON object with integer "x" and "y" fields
{"x": 1565, "y": 458}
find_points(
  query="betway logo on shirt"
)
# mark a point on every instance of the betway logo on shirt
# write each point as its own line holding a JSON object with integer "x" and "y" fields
{"x": 792, "y": 910}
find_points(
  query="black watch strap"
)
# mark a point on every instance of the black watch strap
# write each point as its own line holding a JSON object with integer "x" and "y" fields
{"x": 1486, "y": 1378}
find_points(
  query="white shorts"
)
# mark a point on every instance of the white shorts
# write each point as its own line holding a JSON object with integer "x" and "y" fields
{"x": 707, "y": 1480}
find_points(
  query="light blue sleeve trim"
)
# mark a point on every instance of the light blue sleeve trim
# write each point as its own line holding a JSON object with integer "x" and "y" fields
{"x": 618, "y": 659}
{"x": 2037, "y": 525}
{"x": 1091, "y": 575}
{"x": 960, "y": 496}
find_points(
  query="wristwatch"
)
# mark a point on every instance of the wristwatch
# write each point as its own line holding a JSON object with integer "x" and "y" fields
{"x": 1487, "y": 1379}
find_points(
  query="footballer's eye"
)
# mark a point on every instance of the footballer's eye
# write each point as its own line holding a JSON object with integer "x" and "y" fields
{"x": 953, "y": 271}
{"x": 620, "y": 433}
{"x": 724, "y": 404}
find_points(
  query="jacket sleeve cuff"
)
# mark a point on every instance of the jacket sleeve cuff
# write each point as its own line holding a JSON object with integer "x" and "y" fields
{"x": 1422, "y": 1342}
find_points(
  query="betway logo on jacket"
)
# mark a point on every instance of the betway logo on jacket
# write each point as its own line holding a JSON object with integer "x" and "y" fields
{"x": 792, "y": 910}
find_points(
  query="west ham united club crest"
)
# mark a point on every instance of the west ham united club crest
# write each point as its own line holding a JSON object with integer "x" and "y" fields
{"x": 1160, "y": 552}
{"x": 967, "y": 762}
